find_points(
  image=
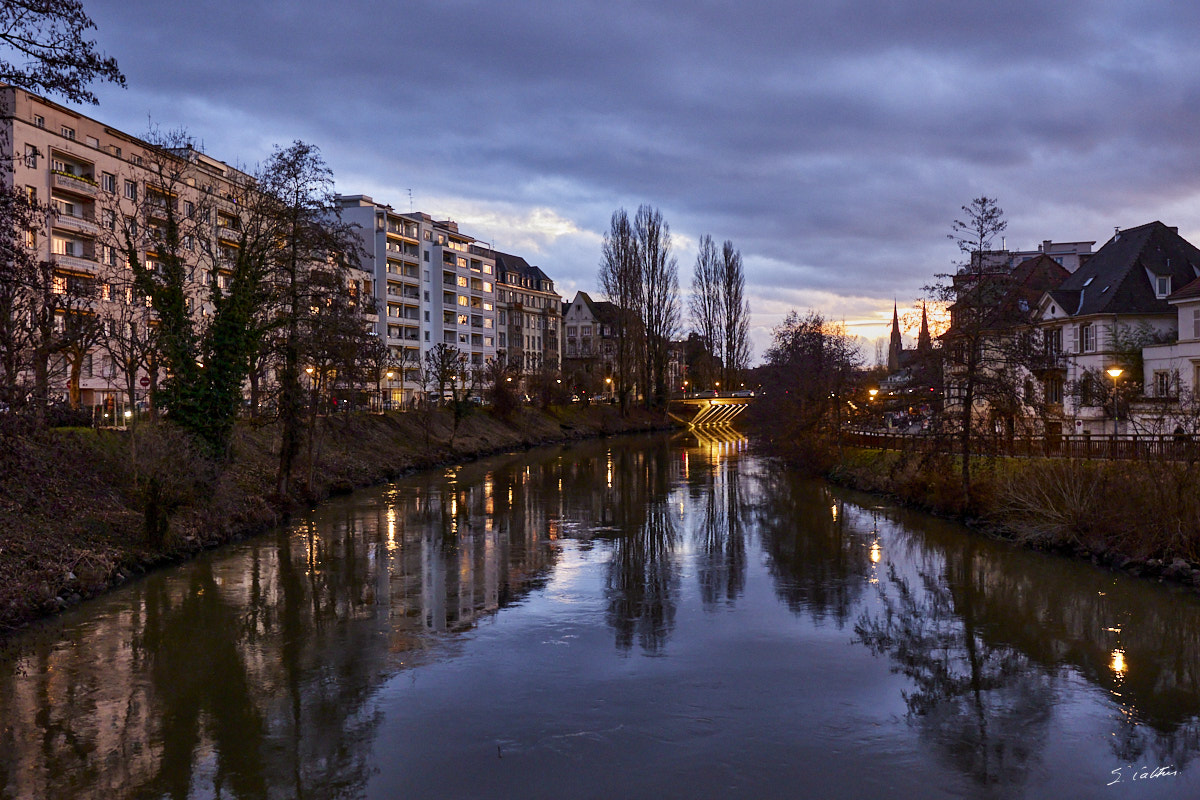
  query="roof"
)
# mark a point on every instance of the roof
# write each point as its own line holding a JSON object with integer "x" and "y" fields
{"x": 1186, "y": 293}
{"x": 507, "y": 262}
{"x": 1115, "y": 281}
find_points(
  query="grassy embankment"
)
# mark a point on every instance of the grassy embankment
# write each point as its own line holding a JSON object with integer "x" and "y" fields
{"x": 1142, "y": 517}
{"x": 73, "y": 501}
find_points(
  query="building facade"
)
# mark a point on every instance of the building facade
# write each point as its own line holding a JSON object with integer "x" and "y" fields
{"x": 529, "y": 315}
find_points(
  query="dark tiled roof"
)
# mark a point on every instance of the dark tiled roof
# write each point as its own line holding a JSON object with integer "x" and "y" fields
{"x": 1032, "y": 278}
{"x": 1114, "y": 280}
{"x": 1187, "y": 292}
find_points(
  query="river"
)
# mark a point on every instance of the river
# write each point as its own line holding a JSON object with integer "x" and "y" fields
{"x": 657, "y": 616}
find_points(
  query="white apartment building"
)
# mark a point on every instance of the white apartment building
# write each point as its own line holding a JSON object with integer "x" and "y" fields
{"x": 403, "y": 287}
{"x": 433, "y": 285}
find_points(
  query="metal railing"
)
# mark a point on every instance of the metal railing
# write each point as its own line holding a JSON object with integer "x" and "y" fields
{"x": 1131, "y": 447}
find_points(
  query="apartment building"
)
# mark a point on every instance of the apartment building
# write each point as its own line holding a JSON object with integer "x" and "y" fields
{"x": 529, "y": 315}
{"x": 100, "y": 183}
{"x": 462, "y": 289}
{"x": 403, "y": 288}
{"x": 434, "y": 285}
{"x": 104, "y": 188}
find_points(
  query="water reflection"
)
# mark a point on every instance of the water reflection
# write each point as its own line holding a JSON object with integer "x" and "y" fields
{"x": 260, "y": 672}
{"x": 820, "y": 558}
{"x": 989, "y": 638}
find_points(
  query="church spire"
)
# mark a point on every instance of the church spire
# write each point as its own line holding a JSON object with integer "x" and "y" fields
{"x": 924, "y": 342}
{"x": 896, "y": 346}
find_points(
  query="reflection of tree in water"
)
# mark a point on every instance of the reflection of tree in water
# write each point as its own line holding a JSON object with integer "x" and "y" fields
{"x": 722, "y": 536}
{"x": 819, "y": 565}
{"x": 643, "y": 582}
{"x": 986, "y": 707}
{"x": 191, "y": 649}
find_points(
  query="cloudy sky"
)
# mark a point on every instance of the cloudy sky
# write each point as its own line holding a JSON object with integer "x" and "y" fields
{"x": 833, "y": 141}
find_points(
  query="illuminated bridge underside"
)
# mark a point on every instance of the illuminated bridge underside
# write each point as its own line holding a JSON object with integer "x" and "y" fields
{"x": 708, "y": 412}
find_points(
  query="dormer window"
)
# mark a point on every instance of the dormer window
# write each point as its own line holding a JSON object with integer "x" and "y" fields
{"x": 1162, "y": 286}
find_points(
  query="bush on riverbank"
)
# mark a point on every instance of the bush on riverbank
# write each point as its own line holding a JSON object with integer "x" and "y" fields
{"x": 1145, "y": 511}
{"x": 82, "y": 510}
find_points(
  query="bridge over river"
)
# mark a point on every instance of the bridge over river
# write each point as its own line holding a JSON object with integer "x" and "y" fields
{"x": 707, "y": 411}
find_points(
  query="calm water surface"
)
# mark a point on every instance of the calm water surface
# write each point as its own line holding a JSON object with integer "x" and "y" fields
{"x": 645, "y": 617}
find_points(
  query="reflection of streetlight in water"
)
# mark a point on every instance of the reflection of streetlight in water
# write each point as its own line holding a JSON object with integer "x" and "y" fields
{"x": 1118, "y": 663}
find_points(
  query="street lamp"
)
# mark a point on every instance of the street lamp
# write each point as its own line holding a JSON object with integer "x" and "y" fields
{"x": 1114, "y": 373}
{"x": 608, "y": 388}
{"x": 872, "y": 392}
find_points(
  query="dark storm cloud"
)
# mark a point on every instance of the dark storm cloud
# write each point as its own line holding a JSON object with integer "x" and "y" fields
{"x": 833, "y": 142}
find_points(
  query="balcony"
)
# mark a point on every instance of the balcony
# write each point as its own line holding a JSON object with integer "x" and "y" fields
{"x": 1048, "y": 361}
{"x": 76, "y": 263}
{"x": 228, "y": 234}
{"x": 85, "y": 224}
{"x": 75, "y": 183}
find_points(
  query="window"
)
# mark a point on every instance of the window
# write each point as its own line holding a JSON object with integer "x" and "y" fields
{"x": 427, "y": 259}
{"x": 31, "y": 193}
{"x": 93, "y": 142}
{"x": 463, "y": 300}
{"x": 131, "y": 190}
{"x": 39, "y": 120}
{"x": 1087, "y": 338}
{"x": 108, "y": 182}
{"x": 1196, "y": 323}
{"x": 31, "y": 154}
{"x": 1162, "y": 286}
{"x": 1162, "y": 383}
{"x": 68, "y": 132}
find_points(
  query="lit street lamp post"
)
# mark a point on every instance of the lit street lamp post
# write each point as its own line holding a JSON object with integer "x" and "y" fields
{"x": 1114, "y": 373}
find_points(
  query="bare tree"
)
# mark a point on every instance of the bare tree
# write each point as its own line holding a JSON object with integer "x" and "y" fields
{"x": 735, "y": 315}
{"x": 976, "y": 295}
{"x": 49, "y": 38}
{"x": 620, "y": 280}
{"x": 310, "y": 239}
{"x": 706, "y": 312}
{"x": 128, "y": 338}
{"x": 659, "y": 298}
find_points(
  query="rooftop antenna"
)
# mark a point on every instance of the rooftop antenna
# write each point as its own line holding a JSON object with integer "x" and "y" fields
{"x": 410, "y": 203}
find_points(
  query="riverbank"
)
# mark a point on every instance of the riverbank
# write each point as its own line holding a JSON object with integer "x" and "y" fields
{"x": 73, "y": 501}
{"x": 1142, "y": 518}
